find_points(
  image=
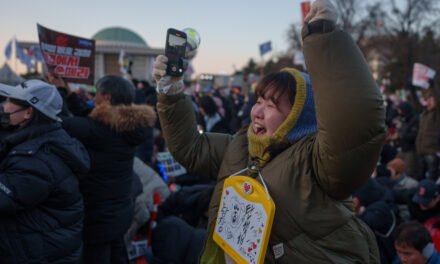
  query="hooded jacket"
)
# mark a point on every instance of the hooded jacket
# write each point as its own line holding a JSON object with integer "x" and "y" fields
{"x": 110, "y": 135}
{"x": 311, "y": 180}
{"x": 41, "y": 207}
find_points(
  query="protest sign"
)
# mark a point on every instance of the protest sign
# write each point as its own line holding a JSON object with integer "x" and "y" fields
{"x": 67, "y": 56}
{"x": 422, "y": 74}
{"x": 244, "y": 220}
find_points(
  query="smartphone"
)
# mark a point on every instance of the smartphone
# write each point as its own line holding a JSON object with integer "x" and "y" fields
{"x": 175, "y": 49}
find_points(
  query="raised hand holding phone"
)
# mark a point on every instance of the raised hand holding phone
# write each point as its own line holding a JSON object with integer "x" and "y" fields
{"x": 175, "y": 50}
{"x": 180, "y": 47}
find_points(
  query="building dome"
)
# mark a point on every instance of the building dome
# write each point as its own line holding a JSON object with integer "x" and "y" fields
{"x": 118, "y": 34}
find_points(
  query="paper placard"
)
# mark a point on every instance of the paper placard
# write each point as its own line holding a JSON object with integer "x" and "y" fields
{"x": 422, "y": 74}
{"x": 244, "y": 220}
{"x": 171, "y": 166}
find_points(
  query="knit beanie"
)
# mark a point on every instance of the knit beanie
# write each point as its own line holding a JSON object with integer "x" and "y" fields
{"x": 300, "y": 122}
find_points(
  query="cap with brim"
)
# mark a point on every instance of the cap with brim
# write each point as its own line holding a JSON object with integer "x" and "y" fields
{"x": 427, "y": 190}
{"x": 11, "y": 92}
{"x": 40, "y": 95}
{"x": 422, "y": 200}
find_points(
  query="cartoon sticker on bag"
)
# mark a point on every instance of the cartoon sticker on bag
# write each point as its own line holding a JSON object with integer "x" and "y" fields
{"x": 244, "y": 220}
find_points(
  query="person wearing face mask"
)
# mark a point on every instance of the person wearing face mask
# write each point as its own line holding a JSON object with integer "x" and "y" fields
{"x": 310, "y": 158}
{"x": 41, "y": 207}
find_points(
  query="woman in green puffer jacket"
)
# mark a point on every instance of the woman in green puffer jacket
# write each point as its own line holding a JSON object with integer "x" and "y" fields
{"x": 313, "y": 147}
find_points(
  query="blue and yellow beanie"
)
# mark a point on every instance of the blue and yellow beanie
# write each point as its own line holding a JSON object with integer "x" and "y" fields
{"x": 300, "y": 122}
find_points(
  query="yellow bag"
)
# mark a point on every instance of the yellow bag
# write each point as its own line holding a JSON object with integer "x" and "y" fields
{"x": 244, "y": 220}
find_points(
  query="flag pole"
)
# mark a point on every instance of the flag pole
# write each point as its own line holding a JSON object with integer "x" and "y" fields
{"x": 15, "y": 54}
{"x": 262, "y": 65}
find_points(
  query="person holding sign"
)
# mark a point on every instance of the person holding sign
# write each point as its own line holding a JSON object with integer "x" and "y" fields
{"x": 304, "y": 153}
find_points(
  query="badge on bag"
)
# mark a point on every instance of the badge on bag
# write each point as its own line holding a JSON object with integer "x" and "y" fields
{"x": 244, "y": 220}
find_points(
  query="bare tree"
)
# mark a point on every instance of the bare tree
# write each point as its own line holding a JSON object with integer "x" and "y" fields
{"x": 294, "y": 37}
{"x": 411, "y": 15}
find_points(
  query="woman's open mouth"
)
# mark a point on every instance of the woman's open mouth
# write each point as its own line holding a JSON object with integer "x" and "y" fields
{"x": 259, "y": 130}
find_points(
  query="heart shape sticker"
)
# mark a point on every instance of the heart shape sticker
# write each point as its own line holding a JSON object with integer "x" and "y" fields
{"x": 247, "y": 188}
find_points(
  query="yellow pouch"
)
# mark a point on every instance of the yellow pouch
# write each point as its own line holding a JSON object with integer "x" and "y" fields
{"x": 244, "y": 220}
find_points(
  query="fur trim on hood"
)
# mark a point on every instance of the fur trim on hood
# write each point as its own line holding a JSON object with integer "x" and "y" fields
{"x": 123, "y": 118}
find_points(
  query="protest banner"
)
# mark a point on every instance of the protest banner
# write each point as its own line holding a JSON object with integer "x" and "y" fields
{"x": 422, "y": 74}
{"x": 67, "y": 56}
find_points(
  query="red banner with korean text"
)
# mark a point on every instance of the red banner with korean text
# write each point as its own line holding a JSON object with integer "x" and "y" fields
{"x": 67, "y": 56}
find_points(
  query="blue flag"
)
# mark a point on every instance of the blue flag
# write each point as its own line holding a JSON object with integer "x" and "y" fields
{"x": 35, "y": 53}
{"x": 8, "y": 50}
{"x": 265, "y": 47}
{"x": 22, "y": 56}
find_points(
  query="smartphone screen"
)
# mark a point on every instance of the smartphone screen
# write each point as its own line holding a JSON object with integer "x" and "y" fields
{"x": 175, "y": 51}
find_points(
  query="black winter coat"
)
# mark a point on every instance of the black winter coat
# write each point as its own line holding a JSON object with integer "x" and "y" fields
{"x": 110, "y": 134}
{"x": 410, "y": 125}
{"x": 41, "y": 207}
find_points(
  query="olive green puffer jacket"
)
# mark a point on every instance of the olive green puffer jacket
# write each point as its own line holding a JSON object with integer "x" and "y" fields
{"x": 310, "y": 181}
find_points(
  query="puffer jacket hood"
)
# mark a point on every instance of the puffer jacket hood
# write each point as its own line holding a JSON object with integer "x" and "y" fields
{"x": 124, "y": 118}
{"x": 130, "y": 121}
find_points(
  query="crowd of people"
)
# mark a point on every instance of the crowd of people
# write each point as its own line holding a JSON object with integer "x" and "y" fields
{"x": 354, "y": 178}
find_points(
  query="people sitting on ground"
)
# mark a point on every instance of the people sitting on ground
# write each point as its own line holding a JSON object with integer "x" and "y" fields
{"x": 414, "y": 245}
{"x": 374, "y": 204}
{"x": 425, "y": 201}
{"x": 401, "y": 182}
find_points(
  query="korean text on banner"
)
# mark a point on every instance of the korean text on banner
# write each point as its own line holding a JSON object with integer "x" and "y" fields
{"x": 67, "y": 56}
{"x": 422, "y": 75}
